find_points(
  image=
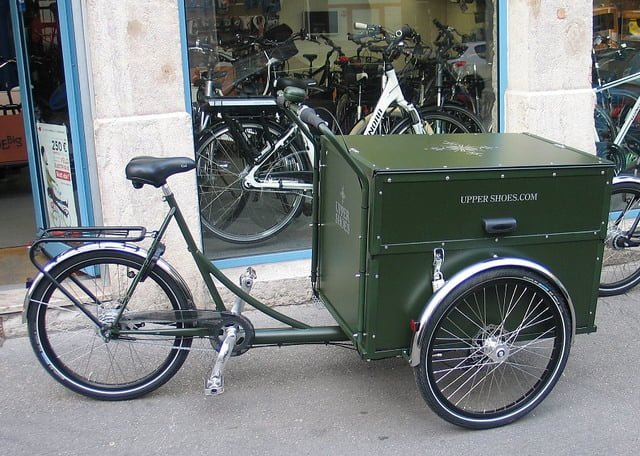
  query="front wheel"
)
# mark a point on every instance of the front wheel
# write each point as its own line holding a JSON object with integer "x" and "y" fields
{"x": 494, "y": 348}
{"x": 621, "y": 260}
{"x": 101, "y": 364}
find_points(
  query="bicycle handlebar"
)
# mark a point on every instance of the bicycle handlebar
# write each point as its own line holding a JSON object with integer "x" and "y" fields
{"x": 377, "y": 33}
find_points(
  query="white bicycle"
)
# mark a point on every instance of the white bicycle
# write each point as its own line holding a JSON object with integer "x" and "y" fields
{"x": 393, "y": 114}
{"x": 255, "y": 164}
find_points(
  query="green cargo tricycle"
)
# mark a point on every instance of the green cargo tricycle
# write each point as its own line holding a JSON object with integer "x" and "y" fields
{"x": 467, "y": 255}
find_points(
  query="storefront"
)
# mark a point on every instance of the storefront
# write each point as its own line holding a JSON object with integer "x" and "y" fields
{"x": 112, "y": 81}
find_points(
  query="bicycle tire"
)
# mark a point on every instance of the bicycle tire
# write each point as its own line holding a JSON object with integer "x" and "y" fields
{"x": 228, "y": 209}
{"x": 391, "y": 118}
{"x": 72, "y": 349}
{"x": 434, "y": 122}
{"x": 345, "y": 113}
{"x": 621, "y": 262}
{"x": 494, "y": 348}
{"x": 470, "y": 120}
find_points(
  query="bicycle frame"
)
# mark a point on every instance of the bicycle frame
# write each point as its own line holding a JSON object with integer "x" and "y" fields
{"x": 296, "y": 333}
{"x": 250, "y": 180}
{"x": 392, "y": 93}
{"x": 631, "y": 115}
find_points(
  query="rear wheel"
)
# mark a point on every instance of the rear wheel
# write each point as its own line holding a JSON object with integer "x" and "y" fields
{"x": 621, "y": 260}
{"x": 101, "y": 364}
{"x": 494, "y": 348}
{"x": 228, "y": 209}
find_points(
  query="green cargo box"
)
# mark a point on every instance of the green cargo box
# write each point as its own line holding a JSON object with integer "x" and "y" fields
{"x": 476, "y": 197}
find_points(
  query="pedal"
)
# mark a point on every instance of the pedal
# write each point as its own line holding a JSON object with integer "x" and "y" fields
{"x": 246, "y": 283}
{"x": 214, "y": 386}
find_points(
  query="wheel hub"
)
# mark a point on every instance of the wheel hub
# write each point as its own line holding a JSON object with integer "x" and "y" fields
{"x": 616, "y": 239}
{"x": 490, "y": 344}
{"x": 496, "y": 350}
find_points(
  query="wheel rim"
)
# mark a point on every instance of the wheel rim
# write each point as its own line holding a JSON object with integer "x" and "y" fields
{"x": 70, "y": 344}
{"x": 496, "y": 350}
{"x": 236, "y": 214}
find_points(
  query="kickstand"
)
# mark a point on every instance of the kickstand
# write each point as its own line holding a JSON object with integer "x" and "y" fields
{"x": 215, "y": 384}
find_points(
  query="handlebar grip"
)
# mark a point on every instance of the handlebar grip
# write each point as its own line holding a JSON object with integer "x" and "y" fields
{"x": 360, "y": 26}
{"x": 309, "y": 116}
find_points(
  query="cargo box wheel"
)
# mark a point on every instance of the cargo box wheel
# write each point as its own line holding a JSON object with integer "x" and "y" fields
{"x": 494, "y": 348}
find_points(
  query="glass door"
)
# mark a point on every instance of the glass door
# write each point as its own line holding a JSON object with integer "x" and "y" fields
{"x": 46, "y": 57}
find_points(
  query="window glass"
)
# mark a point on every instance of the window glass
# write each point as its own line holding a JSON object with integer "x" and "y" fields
{"x": 616, "y": 33}
{"x": 239, "y": 49}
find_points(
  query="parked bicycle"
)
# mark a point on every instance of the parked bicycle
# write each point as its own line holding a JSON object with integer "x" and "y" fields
{"x": 438, "y": 87}
{"x": 393, "y": 114}
{"x": 615, "y": 119}
{"x": 616, "y": 115}
{"x": 254, "y": 163}
{"x": 112, "y": 320}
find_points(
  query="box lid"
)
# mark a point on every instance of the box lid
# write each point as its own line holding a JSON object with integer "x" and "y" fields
{"x": 406, "y": 153}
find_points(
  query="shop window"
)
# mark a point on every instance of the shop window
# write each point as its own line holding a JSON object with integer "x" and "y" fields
{"x": 237, "y": 49}
{"x": 616, "y": 33}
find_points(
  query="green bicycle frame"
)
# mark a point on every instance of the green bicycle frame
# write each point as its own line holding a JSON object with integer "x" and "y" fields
{"x": 297, "y": 332}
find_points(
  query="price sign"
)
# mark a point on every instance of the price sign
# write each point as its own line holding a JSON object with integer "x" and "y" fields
{"x": 57, "y": 175}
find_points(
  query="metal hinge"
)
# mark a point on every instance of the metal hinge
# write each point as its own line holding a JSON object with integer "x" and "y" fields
{"x": 438, "y": 260}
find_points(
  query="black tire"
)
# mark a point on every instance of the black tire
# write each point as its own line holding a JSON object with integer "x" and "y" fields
{"x": 434, "y": 123}
{"x": 621, "y": 261}
{"x": 470, "y": 120}
{"x": 69, "y": 345}
{"x": 346, "y": 113}
{"x": 232, "y": 212}
{"x": 494, "y": 348}
{"x": 391, "y": 118}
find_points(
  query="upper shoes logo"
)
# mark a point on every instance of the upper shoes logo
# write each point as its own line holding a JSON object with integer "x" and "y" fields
{"x": 343, "y": 217}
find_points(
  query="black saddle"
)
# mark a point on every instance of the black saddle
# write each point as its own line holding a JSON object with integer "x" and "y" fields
{"x": 282, "y": 83}
{"x": 154, "y": 171}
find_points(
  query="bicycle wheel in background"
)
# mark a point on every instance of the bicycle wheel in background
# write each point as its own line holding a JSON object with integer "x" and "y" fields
{"x": 104, "y": 366}
{"x": 438, "y": 123}
{"x": 494, "y": 348}
{"x": 232, "y": 212}
{"x": 621, "y": 261}
{"x": 346, "y": 113}
{"x": 470, "y": 120}
{"x": 618, "y": 104}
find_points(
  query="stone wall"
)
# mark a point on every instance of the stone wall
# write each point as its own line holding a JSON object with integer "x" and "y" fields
{"x": 549, "y": 70}
{"x": 139, "y": 109}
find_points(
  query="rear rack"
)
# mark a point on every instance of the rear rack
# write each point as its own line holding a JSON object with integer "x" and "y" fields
{"x": 86, "y": 235}
{"x": 93, "y": 234}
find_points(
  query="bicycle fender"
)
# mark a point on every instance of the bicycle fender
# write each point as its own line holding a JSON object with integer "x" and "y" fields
{"x": 101, "y": 246}
{"x": 466, "y": 274}
{"x": 625, "y": 179}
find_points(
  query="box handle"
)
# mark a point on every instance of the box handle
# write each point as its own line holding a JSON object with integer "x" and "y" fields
{"x": 501, "y": 225}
